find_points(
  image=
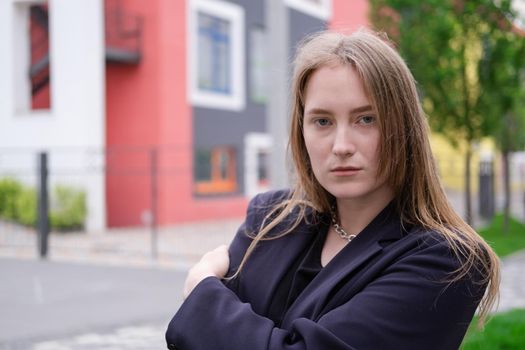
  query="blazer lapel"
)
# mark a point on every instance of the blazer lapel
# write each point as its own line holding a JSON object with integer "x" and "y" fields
{"x": 384, "y": 227}
{"x": 275, "y": 263}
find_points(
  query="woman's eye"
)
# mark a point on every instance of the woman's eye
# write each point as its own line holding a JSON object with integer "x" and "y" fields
{"x": 367, "y": 119}
{"x": 322, "y": 122}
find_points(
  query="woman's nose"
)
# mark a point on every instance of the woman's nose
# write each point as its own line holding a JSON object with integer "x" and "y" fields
{"x": 343, "y": 145}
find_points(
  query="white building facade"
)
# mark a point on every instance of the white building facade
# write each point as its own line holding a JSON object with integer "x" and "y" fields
{"x": 72, "y": 128}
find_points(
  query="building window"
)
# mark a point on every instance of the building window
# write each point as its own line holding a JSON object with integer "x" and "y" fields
{"x": 32, "y": 79}
{"x": 215, "y": 47}
{"x": 215, "y": 171}
{"x": 317, "y": 8}
{"x": 216, "y": 54}
{"x": 39, "y": 69}
{"x": 257, "y": 148}
{"x": 258, "y": 65}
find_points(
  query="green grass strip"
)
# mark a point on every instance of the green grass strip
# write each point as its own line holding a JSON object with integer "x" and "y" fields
{"x": 504, "y": 243}
{"x": 505, "y": 331}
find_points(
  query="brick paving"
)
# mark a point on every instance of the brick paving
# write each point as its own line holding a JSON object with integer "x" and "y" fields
{"x": 139, "y": 337}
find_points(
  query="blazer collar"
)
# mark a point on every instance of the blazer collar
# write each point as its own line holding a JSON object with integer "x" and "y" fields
{"x": 382, "y": 230}
{"x": 279, "y": 257}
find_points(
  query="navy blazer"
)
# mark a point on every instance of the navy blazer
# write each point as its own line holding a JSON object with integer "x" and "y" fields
{"x": 384, "y": 290}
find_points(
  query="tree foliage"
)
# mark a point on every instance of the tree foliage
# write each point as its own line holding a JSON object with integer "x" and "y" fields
{"x": 502, "y": 75}
{"x": 503, "y": 96}
{"x": 467, "y": 58}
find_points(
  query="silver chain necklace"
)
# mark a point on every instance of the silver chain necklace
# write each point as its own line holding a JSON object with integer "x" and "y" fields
{"x": 339, "y": 230}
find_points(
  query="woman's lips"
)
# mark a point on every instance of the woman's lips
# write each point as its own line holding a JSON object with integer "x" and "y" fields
{"x": 345, "y": 171}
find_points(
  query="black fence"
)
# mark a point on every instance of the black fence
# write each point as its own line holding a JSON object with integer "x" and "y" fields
{"x": 72, "y": 191}
{"x": 58, "y": 191}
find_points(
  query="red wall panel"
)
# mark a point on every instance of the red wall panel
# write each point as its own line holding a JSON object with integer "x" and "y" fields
{"x": 348, "y": 16}
{"x": 147, "y": 108}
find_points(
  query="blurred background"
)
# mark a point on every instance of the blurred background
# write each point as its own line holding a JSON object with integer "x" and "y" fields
{"x": 133, "y": 133}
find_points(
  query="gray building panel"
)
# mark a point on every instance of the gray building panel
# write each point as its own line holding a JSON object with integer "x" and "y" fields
{"x": 302, "y": 25}
{"x": 217, "y": 127}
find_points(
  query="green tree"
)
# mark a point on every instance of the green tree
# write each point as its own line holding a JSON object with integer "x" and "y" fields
{"x": 502, "y": 100}
{"x": 442, "y": 42}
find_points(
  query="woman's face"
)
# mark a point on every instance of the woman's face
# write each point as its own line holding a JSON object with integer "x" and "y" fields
{"x": 341, "y": 134}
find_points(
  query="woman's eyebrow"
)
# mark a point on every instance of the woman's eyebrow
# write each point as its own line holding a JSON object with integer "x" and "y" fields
{"x": 365, "y": 108}
{"x": 317, "y": 111}
{"x": 361, "y": 109}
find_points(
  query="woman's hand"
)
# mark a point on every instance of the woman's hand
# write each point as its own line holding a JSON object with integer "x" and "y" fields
{"x": 213, "y": 263}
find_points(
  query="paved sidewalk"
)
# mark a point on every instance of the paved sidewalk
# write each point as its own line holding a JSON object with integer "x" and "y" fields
{"x": 141, "y": 337}
{"x": 178, "y": 247}
{"x": 137, "y": 337}
{"x": 512, "y": 288}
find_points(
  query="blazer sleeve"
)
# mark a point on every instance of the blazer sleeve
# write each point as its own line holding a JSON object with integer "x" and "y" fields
{"x": 402, "y": 308}
{"x": 242, "y": 240}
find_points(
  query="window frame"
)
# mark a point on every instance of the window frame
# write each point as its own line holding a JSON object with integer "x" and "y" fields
{"x": 234, "y": 14}
{"x": 255, "y": 143}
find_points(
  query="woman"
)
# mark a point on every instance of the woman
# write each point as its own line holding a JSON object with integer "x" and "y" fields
{"x": 365, "y": 252}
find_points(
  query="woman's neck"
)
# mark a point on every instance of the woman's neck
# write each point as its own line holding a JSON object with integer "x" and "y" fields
{"x": 354, "y": 215}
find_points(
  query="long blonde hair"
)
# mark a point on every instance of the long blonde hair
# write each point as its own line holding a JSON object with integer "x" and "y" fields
{"x": 405, "y": 155}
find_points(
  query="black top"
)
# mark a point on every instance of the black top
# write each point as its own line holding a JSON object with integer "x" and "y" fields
{"x": 303, "y": 271}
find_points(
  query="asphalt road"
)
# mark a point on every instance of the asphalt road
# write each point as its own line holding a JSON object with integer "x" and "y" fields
{"x": 47, "y": 300}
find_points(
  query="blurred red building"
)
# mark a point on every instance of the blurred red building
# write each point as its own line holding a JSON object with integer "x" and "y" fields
{"x": 176, "y": 96}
